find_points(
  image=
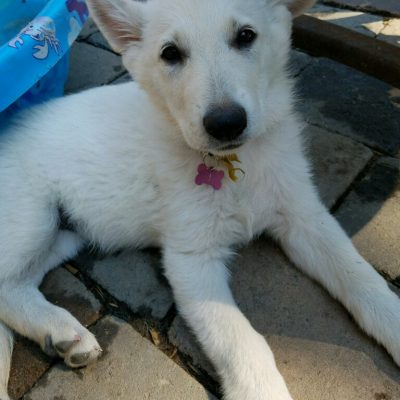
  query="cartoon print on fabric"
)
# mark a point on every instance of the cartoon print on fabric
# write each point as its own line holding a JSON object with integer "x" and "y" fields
{"x": 80, "y": 7}
{"x": 43, "y": 30}
{"x": 74, "y": 29}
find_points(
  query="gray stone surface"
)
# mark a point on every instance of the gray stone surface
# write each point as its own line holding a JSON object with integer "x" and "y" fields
{"x": 64, "y": 290}
{"x": 97, "y": 39}
{"x": 380, "y": 6}
{"x": 364, "y": 23}
{"x": 394, "y": 96}
{"x": 391, "y": 31}
{"x": 371, "y": 216}
{"x": 29, "y": 363}
{"x": 376, "y": 27}
{"x": 134, "y": 277}
{"x": 373, "y": 25}
{"x": 91, "y": 66}
{"x": 298, "y": 61}
{"x": 130, "y": 368}
{"x": 336, "y": 161}
{"x": 181, "y": 337}
{"x": 89, "y": 28}
{"x": 319, "y": 349}
{"x": 346, "y": 101}
{"x": 124, "y": 78}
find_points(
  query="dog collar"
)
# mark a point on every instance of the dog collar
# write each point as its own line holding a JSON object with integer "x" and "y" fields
{"x": 208, "y": 174}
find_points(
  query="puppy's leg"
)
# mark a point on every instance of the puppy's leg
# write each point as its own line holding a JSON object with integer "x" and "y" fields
{"x": 6, "y": 345}
{"x": 241, "y": 356}
{"x": 26, "y": 310}
{"x": 317, "y": 244}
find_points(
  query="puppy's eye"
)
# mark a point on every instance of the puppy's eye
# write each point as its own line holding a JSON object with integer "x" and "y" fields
{"x": 171, "y": 54}
{"x": 245, "y": 38}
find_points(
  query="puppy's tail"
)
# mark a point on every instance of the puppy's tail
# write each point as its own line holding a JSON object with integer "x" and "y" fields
{"x": 6, "y": 346}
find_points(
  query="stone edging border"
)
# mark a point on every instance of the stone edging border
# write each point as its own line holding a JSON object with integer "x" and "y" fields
{"x": 369, "y": 55}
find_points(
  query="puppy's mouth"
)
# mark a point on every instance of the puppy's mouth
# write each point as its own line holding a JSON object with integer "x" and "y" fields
{"x": 230, "y": 146}
{"x": 223, "y": 149}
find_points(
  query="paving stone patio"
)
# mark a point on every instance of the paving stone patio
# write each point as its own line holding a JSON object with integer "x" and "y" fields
{"x": 354, "y": 143}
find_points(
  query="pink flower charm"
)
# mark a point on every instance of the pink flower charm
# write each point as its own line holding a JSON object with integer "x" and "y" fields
{"x": 209, "y": 176}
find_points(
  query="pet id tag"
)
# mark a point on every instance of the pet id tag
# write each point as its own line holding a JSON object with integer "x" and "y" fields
{"x": 209, "y": 176}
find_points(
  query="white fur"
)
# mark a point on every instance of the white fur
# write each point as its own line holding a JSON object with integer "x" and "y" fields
{"x": 121, "y": 162}
{"x": 6, "y": 345}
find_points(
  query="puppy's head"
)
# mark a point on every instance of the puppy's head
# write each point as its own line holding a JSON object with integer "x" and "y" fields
{"x": 215, "y": 67}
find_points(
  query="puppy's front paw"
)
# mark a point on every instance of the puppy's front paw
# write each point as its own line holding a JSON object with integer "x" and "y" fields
{"x": 83, "y": 352}
{"x": 78, "y": 347}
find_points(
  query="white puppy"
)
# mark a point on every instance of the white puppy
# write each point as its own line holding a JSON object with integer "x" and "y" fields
{"x": 154, "y": 163}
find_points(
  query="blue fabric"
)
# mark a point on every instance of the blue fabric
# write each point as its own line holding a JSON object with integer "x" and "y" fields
{"x": 34, "y": 55}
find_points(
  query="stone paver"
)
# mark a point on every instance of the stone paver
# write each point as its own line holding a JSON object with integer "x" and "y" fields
{"x": 318, "y": 347}
{"x": 134, "y": 277}
{"x": 373, "y": 25}
{"x": 182, "y": 337}
{"x": 394, "y": 96}
{"x": 366, "y": 24}
{"x": 349, "y": 102}
{"x": 381, "y": 6}
{"x": 336, "y": 161}
{"x": 64, "y": 290}
{"x": 29, "y": 362}
{"x": 371, "y": 216}
{"x": 298, "y": 62}
{"x": 130, "y": 368}
{"x": 124, "y": 78}
{"x": 391, "y": 31}
{"x": 89, "y": 28}
{"x": 97, "y": 39}
{"x": 91, "y": 66}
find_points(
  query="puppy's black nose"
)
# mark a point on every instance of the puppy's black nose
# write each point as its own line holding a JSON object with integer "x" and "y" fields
{"x": 225, "y": 122}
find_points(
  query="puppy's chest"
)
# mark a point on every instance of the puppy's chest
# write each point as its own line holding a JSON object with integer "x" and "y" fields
{"x": 231, "y": 213}
{"x": 235, "y": 213}
{"x": 251, "y": 202}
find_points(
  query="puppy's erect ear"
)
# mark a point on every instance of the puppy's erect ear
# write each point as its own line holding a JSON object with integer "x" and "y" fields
{"x": 120, "y": 21}
{"x": 297, "y": 7}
